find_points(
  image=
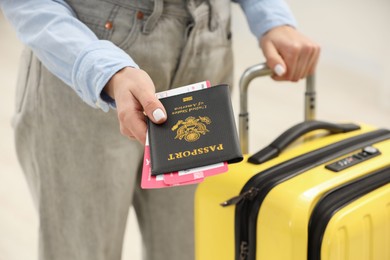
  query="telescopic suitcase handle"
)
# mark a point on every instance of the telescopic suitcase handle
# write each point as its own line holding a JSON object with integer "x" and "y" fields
{"x": 271, "y": 151}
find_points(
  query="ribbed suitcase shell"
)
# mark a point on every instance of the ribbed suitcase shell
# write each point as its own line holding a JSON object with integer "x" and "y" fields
{"x": 361, "y": 230}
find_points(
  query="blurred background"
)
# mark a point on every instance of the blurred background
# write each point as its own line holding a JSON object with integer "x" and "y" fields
{"x": 353, "y": 84}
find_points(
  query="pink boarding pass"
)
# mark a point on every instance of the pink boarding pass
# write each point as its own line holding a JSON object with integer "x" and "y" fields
{"x": 195, "y": 173}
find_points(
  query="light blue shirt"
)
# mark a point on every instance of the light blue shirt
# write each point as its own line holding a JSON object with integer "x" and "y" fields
{"x": 86, "y": 63}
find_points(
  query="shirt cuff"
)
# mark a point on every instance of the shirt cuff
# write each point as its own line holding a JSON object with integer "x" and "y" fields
{"x": 264, "y": 15}
{"x": 94, "y": 67}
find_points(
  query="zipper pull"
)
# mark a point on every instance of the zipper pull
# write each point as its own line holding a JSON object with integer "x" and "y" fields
{"x": 249, "y": 194}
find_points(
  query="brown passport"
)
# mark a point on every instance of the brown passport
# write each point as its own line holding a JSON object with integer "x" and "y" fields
{"x": 200, "y": 130}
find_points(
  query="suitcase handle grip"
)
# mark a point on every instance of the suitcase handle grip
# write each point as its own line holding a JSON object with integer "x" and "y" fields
{"x": 261, "y": 70}
{"x": 290, "y": 135}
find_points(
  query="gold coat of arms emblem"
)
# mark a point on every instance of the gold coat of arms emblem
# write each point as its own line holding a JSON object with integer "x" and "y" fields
{"x": 191, "y": 128}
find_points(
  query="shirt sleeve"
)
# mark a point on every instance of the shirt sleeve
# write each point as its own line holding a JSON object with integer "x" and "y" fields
{"x": 67, "y": 47}
{"x": 263, "y": 15}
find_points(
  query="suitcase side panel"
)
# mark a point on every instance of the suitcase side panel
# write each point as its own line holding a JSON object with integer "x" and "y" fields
{"x": 282, "y": 225}
{"x": 361, "y": 230}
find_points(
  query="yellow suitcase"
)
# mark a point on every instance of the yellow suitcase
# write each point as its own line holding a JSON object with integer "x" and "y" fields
{"x": 327, "y": 197}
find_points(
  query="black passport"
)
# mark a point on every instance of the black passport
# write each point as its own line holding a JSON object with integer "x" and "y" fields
{"x": 200, "y": 130}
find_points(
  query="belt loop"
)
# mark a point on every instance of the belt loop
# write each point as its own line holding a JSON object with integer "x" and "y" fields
{"x": 212, "y": 20}
{"x": 153, "y": 18}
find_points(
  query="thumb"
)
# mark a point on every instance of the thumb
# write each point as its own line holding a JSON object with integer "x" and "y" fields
{"x": 274, "y": 60}
{"x": 153, "y": 108}
{"x": 143, "y": 92}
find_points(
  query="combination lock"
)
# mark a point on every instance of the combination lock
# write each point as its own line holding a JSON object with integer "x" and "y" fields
{"x": 365, "y": 154}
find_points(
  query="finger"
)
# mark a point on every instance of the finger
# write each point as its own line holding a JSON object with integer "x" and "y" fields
{"x": 312, "y": 51}
{"x": 126, "y": 132}
{"x": 134, "y": 126}
{"x": 291, "y": 56}
{"x": 314, "y": 60}
{"x": 152, "y": 107}
{"x": 131, "y": 117}
{"x": 302, "y": 64}
{"x": 274, "y": 60}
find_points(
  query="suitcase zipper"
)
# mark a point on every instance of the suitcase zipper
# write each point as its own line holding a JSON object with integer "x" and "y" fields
{"x": 255, "y": 190}
{"x": 336, "y": 199}
{"x": 249, "y": 194}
